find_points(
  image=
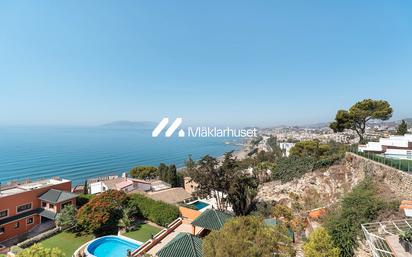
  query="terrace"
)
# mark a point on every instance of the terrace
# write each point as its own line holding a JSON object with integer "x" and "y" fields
{"x": 13, "y": 188}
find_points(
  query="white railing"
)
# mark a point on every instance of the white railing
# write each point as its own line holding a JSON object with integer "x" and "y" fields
{"x": 157, "y": 238}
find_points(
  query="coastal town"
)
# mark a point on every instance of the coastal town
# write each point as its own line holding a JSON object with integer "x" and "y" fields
{"x": 205, "y": 128}
{"x": 297, "y": 183}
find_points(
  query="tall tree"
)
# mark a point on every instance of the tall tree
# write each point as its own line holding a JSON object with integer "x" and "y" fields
{"x": 226, "y": 182}
{"x": 190, "y": 164}
{"x": 242, "y": 193}
{"x": 274, "y": 146}
{"x": 359, "y": 114}
{"x": 402, "y": 128}
{"x": 248, "y": 236}
{"x": 163, "y": 170}
{"x": 67, "y": 217}
{"x": 172, "y": 178}
{"x": 86, "y": 188}
{"x": 320, "y": 244}
{"x": 125, "y": 221}
{"x": 210, "y": 180}
{"x": 103, "y": 212}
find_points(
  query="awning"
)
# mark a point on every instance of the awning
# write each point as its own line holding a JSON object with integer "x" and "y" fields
{"x": 48, "y": 214}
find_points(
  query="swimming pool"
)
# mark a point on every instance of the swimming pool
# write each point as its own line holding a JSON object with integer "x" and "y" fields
{"x": 111, "y": 246}
{"x": 198, "y": 205}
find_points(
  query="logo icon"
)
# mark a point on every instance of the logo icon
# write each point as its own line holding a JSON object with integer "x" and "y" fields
{"x": 171, "y": 130}
{"x": 200, "y": 131}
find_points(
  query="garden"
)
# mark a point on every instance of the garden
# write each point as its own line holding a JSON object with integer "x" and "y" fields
{"x": 104, "y": 214}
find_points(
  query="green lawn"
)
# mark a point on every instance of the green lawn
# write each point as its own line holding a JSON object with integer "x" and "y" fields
{"x": 67, "y": 242}
{"x": 143, "y": 233}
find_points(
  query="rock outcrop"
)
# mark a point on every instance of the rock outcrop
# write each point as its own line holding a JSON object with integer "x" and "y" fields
{"x": 329, "y": 183}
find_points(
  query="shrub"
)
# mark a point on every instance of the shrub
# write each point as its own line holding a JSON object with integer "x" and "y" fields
{"x": 16, "y": 249}
{"x": 289, "y": 168}
{"x": 320, "y": 244}
{"x": 144, "y": 172}
{"x": 38, "y": 238}
{"x": 360, "y": 206}
{"x": 38, "y": 250}
{"x": 248, "y": 236}
{"x": 158, "y": 212}
{"x": 83, "y": 199}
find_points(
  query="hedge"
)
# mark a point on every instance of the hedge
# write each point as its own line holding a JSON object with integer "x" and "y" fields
{"x": 158, "y": 212}
{"x": 31, "y": 241}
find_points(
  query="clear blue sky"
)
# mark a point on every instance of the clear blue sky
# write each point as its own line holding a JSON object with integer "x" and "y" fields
{"x": 223, "y": 62}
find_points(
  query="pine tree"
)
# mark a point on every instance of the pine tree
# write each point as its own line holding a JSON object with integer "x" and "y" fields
{"x": 402, "y": 128}
{"x": 86, "y": 188}
{"x": 190, "y": 164}
{"x": 172, "y": 176}
{"x": 163, "y": 172}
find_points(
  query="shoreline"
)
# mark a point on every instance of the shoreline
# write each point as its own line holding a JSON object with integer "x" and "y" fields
{"x": 242, "y": 152}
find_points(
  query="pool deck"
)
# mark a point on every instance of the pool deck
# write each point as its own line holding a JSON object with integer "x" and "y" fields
{"x": 184, "y": 227}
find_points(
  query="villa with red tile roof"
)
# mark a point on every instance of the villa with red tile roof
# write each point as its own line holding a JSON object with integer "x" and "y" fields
{"x": 24, "y": 206}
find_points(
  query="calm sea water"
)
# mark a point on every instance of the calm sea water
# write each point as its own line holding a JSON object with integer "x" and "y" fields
{"x": 81, "y": 153}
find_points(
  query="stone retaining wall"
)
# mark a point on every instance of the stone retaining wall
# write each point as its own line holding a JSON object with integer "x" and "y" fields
{"x": 399, "y": 181}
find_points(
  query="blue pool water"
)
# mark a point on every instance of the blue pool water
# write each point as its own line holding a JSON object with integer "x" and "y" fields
{"x": 111, "y": 246}
{"x": 79, "y": 153}
{"x": 199, "y": 205}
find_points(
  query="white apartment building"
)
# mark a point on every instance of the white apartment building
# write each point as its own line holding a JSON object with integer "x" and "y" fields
{"x": 286, "y": 147}
{"x": 394, "y": 146}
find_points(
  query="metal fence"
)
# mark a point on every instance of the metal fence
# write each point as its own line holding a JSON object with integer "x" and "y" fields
{"x": 400, "y": 164}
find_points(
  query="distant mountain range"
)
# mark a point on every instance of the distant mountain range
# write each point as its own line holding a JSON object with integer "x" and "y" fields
{"x": 151, "y": 124}
{"x": 326, "y": 124}
{"x": 130, "y": 124}
{"x": 394, "y": 123}
{"x": 387, "y": 123}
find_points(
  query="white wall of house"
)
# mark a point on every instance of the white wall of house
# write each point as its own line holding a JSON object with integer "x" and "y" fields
{"x": 372, "y": 147}
{"x": 128, "y": 188}
{"x": 401, "y": 152}
{"x": 392, "y": 141}
{"x": 286, "y": 147}
{"x": 142, "y": 186}
{"x": 97, "y": 187}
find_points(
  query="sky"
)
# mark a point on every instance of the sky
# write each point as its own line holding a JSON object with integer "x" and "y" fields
{"x": 260, "y": 63}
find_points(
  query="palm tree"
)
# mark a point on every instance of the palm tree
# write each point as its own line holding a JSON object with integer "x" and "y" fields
{"x": 125, "y": 222}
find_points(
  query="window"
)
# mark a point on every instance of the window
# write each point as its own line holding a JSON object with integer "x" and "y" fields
{"x": 30, "y": 220}
{"x": 2, "y": 230}
{"x": 17, "y": 225}
{"x": 24, "y": 207}
{"x": 66, "y": 204}
{"x": 51, "y": 206}
{"x": 43, "y": 204}
{"x": 4, "y": 213}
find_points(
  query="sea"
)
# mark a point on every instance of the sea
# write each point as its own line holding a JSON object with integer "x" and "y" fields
{"x": 79, "y": 153}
